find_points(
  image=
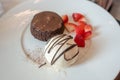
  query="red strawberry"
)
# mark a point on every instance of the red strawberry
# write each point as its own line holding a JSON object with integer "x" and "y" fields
{"x": 80, "y": 28}
{"x": 70, "y": 27}
{"x": 87, "y": 35}
{"x": 77, "y": 16}
{"x": 83, "y": 19}
{"x": 88, "y": 28}
{"x": 65, "y": 18}
{"x": 79, "y": 40}
{"x": 82, "y": 23}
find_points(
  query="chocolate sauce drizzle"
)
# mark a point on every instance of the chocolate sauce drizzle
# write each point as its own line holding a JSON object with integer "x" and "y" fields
{"x": 42, "y": 65}
{"x": 72, "y": 46}
{"x": 55, "y": 41}
{"x": 61, "y": 41}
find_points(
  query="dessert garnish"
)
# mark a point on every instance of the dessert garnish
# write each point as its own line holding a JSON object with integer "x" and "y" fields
{"x": 82, "y": 29}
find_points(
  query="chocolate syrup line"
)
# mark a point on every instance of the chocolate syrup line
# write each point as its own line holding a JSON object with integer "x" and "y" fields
{"x": 53, "y": 61}
{"x": 58, "y": 43}
{"x": 73, "y": 56}
{"x": 66, "y": 39}
{"x": 72, "y": 46}
{"x": 42, "y": 65}
{"x": 61, "y": 43}
{"x": 54, "y": 42}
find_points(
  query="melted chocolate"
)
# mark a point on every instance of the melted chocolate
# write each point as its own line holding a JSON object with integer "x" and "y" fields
{"x": 61, "y": 43}
{"x": 55, "y": 41}
{"x": 65, "y": 40}
{"x": 72, "y": 46}
{"x": 42, "y": 65}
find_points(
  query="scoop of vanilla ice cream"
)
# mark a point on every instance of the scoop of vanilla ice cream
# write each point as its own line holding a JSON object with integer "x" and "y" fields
{"x": 61, "y": 51}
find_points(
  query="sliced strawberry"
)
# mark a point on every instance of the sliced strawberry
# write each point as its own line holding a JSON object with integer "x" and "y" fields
{"x": 82, "y": 23}
{"x": 80, "y": 28}
{"x": 79, "y": 40}
{"x": 77, "y": 16}
{"x": 87, "y": 35}
{"x": 88, "y": 28}
{"x": 65, "y": 18}
{"x": 70, "y": 27}
{"x": 83, "y": 19}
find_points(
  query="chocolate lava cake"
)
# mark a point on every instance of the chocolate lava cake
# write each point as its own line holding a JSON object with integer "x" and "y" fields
{"x": 46, "y": 24}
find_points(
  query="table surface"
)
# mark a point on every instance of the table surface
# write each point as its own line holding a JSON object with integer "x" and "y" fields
{"x": 115, "y": 10}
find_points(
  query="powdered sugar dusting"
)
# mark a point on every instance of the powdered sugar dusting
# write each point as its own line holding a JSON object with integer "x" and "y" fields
{"x": 36, "y": 56}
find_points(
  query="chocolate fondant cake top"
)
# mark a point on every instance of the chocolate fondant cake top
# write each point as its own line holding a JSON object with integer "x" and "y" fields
{"x": 47, "y": 21}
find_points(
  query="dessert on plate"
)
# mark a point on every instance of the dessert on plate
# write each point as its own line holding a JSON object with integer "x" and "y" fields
{"x": 46, "y": 24}
{"x": 62, "y": 49}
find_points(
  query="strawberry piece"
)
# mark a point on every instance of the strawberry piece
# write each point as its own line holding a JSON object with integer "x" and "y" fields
{"x": 82, "y": 23}
{"x": 79, "y": 40}
{"x": 77, "y": 16}
{"x": 87, "y": 35}
{"x": 83, "y": 19}
{"x": 80, "y": 29}
{"x": 88, "y": 28}
{"x": 65, "y": 18}
{"x": 70, "y": 27}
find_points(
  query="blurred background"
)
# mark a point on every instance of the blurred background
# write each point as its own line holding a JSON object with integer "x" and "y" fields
{"x": 113, "y": 6}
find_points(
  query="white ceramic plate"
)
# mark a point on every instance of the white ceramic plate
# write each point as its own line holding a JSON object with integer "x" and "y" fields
{"x": 102, "y": 62}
